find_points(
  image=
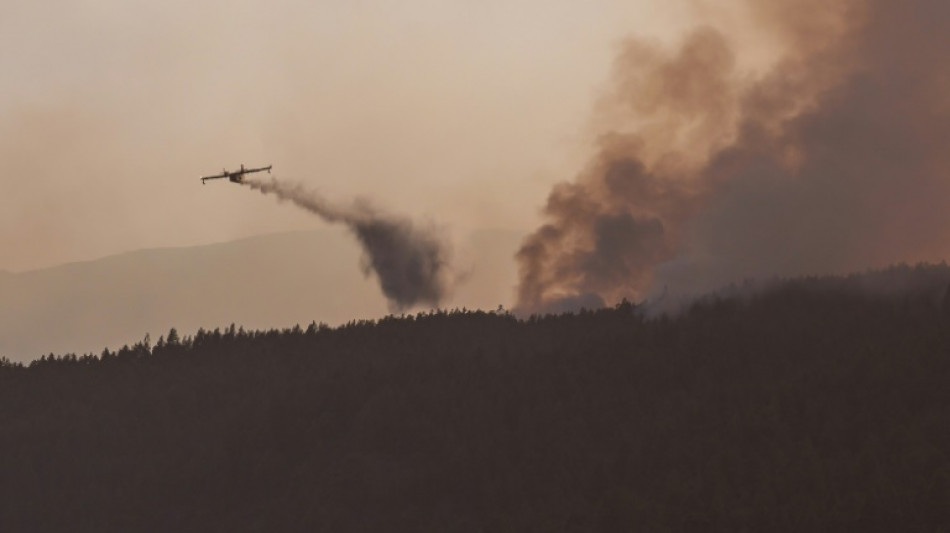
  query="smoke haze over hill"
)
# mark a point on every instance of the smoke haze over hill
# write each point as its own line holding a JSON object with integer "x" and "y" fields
{"x": 831, "y": 159}
{"x": 263, "y": 282}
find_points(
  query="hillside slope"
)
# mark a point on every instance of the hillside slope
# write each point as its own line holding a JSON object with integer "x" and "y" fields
{"x": 817, "y": 406}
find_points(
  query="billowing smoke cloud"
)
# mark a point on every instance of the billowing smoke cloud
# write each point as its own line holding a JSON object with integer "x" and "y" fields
{"x": 836, "y": 157}
{"x": 411, "y": 262}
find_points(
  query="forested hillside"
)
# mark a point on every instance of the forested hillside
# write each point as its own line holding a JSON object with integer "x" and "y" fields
{"x": 815, "y": 405}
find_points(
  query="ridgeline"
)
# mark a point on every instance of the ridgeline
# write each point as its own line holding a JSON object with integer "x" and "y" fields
{"x": 817, "y": 404}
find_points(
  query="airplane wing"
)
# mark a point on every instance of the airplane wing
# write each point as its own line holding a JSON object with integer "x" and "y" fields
{"x": 216, "y": 176}
{"x": 267, "y": 168}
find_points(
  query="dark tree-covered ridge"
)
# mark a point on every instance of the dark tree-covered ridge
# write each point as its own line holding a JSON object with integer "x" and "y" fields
{"x": 820, "y": 404}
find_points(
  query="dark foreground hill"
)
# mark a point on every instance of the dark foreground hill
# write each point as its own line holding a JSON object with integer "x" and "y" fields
{"x": 818, "y": 405}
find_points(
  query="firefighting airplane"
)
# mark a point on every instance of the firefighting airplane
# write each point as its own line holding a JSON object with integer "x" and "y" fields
{"x": 237, "y": 176}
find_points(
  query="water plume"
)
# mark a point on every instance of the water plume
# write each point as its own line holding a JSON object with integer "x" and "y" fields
{"x": 411, "y": 261}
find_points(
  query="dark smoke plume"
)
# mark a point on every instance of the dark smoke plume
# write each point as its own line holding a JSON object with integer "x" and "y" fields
{"x": 834, "y": 158}
{"x": 411, "y": 262}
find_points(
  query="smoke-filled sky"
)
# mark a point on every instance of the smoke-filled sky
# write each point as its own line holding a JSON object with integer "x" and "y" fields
{"x": 460, "y": 112}
{"x": 637, "y": 144}
{"x": 830, "y": 156}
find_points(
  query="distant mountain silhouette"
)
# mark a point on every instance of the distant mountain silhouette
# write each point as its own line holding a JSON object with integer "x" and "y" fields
{"x": 260, "y": 282}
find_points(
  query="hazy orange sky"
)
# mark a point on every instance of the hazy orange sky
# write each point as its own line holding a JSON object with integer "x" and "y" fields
{"x": 462, "y": 112}
{"x": 628, "y": 145}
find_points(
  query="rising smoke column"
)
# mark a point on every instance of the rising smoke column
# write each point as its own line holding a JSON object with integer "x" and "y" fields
{"x": 835, "y": 158}
{"x": 411, "y": 262}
